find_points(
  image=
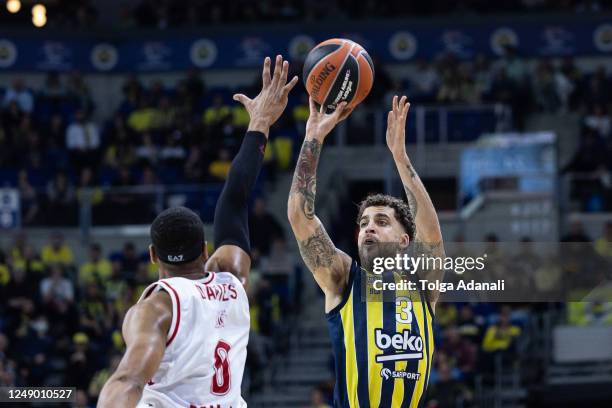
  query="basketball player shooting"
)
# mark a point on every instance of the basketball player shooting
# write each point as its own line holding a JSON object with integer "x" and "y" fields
{"x": 186, "y": 337}
{"x": 383, "y": 350}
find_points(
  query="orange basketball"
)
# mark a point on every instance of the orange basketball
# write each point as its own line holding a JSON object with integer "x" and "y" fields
{"x": 338, "y": 70}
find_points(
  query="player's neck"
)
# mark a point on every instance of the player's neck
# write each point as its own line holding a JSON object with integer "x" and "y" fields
{"x": 194, "y": 273}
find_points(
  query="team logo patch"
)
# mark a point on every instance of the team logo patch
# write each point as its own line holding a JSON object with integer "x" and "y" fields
{"x": 300, "y": 46}
{"x": 403, "y": 45}
{"x": 602, "y": 37}
{"x": 203, "y": 53}
{"x": 501, "y": 38}
{"x": 104, "y": 57}
{"x": 220, "y": 322}
{"x": 386, "y": 374}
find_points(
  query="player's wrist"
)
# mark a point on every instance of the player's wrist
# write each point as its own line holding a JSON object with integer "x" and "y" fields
{"x": 259, "y": 125}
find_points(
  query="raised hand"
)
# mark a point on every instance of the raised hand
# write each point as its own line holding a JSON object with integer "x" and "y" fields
{"x": 396, "y": 126}
{"x": 267, "y": 107}
{"x": 320, "y": 124}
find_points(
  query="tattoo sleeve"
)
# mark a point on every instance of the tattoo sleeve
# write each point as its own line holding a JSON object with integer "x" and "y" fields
{"x": 318, "y": 251}
{"x": 304, "y": 179}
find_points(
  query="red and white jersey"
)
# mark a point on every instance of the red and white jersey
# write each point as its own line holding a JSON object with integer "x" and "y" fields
{"x": 206, "y": 348}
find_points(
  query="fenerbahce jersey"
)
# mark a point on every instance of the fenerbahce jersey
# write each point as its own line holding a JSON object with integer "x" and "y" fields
{"x": 205, "y": 353}
{"x": 383, "y": 350}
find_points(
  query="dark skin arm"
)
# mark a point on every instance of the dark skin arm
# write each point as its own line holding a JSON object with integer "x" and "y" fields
{"x": 233, "y": 259}
{"x": 264, "y": 110}
{"x": 145, "y": 330}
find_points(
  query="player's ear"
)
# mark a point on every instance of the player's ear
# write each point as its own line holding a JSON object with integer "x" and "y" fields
{"x": 404, "y": 241}
{"x": 152, "y": 254}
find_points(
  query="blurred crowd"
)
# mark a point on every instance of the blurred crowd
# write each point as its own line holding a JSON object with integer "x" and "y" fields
{"x": 53, "y": 152}
{"x": 163, "y": 14}
{"x": 60, "y": 319}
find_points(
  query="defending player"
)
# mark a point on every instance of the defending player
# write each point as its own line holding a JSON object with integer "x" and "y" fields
{"x": 383, "y": 350}
{"x": 186, "y": 337}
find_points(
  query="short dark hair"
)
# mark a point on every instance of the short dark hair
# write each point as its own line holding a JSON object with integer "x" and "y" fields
{"x": 177, "y": 235}
{"x": 402, "y": 210}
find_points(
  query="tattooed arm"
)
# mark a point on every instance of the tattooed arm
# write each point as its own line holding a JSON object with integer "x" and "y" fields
{"x": 329, "y": 265}
{"x": 428, "y": 238}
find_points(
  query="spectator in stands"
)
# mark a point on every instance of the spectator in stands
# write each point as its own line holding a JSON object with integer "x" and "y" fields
{"x": 57, "y": 251}
{"x": 598, "y": 121}
{"x": 469, "y": 325}
{"x": 129, "y": 260}
{"x": 82, "y": 140}
{"x": 544, "y": 88}
{"x": 195, "y": 87}
{"x": 96, "y": 269}
{"x": 17, "y": 92}
{"x": 56, "y": 289}
{"x": 193, "y": 169}
{"x": 81, "y": 365}
{"x": 603, "y": 245}
{"x": 61, "y": 201}
{"x": 219, "y": 114}
{"x": 21, "y": 297}
{"x": 424, "y": 82}
{"x": 576, "y": 233}
{"x": 173, "y": 153}
{"x": 79, "y": 92}
{"x": 317, "y": 399}
{"x": 220, "y": 167}
{"x": 100, "y": 377}
{"x": 446, "y": 389}
{"x": 596, "y": 92}
{"x": 53, "y": 89}
{"x": 147, "y": 153}
{"x": 95, "y": 314}
{"x": 461, "y": 349}
{"x": 263, "y": 227}
{"x": 29, "y": 199}
{"x": 500, "y": 339}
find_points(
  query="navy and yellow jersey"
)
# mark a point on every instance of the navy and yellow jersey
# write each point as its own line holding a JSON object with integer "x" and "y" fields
{"x": 383, "y": 349}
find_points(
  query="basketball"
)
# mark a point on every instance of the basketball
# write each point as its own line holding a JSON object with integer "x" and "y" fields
{"x": 338, "y": 70}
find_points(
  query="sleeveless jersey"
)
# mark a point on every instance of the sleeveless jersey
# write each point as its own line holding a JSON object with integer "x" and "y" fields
{"x": 205, "y": 353}
{"x": 383, "y": 349}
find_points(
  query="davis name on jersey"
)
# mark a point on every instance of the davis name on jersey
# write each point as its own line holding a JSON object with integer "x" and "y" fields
{"x": 206, "y": 348}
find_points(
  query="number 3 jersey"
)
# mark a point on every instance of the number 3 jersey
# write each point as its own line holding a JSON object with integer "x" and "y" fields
{"x": 382, "y": 343}
{"x": 206, "y": 348}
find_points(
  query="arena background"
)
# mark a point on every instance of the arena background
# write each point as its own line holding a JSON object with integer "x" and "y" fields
{"x": 112, "y": 111}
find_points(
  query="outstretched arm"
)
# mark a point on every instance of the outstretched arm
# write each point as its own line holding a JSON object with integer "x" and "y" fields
{"x": 428, "y": 234}
{"x": 328, "y": 264}
{"x": 145, "y": 330}
{"x": 231, "y": 213}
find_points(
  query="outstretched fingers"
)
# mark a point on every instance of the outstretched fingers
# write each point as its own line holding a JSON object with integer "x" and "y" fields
{"x": 265, "y": 74}
{"x": 287, "y": 88}
{"x": 278, "y": 68}
{"x": 243, "y": 99}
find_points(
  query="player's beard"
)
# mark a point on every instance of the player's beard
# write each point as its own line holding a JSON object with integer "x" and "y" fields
{"x": 367, "y": 253}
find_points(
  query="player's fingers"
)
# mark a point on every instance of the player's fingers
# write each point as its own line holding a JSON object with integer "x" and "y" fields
{"x": 340, "y": 110}
{"x": 406, "y": 109}
{"x": 346, "y": 113}
{"x": 278, "y": 67}
{"x": 265, "y": 74}
{"x": 390, "y": 118}
{"x": 284, "y": 73}
{"x": 401, "y": 103}
{"x": 322, "y": 109}
{"x": 394, "y": 103}
{"x": 287, "y": 88}
{"x": 243, "y": 99}
{"x": 313, "y": 106}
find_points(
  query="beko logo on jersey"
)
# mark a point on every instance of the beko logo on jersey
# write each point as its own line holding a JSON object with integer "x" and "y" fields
{"x": 222, "y": 292}
{"x": 403, "y": 346}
